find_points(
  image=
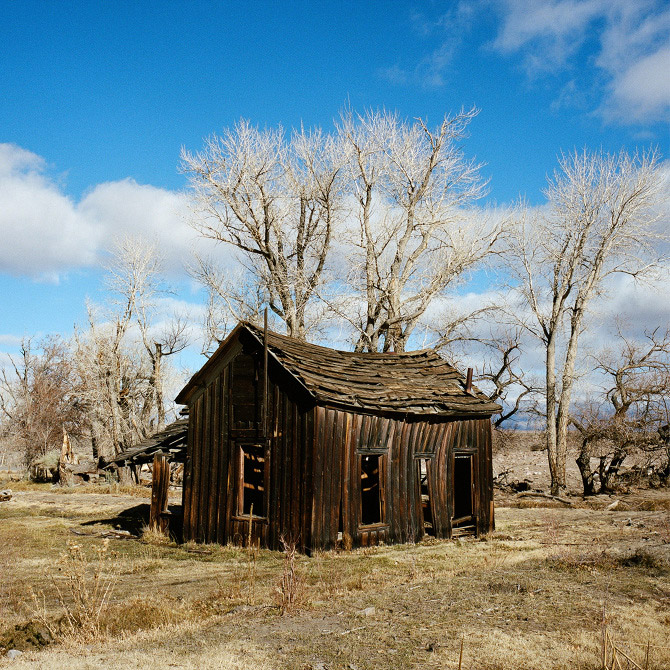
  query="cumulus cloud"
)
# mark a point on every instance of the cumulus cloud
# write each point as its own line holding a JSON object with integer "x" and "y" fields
{"x": 643, "y": 90}
{"x": 631, "y": 48}
{"x": 42, "y": 231}
{"x": 128, "y": 208}
{"x": 45, "y": 233}
{"x": 616, "y": 50}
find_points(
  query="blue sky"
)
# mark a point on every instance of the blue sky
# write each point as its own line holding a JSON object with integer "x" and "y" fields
{"x": 99, "y": 98}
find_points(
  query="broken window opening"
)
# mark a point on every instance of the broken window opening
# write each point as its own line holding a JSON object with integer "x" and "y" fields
{"x": 252, "y": 480}
{"x": 371, "y": 493}
{"x": 424, "y": 492}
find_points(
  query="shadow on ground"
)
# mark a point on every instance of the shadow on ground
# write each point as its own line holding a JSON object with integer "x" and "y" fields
{"x": 134, "y": 519}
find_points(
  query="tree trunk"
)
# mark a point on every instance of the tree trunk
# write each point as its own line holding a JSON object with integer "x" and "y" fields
{"x": 66, "y": 459}
{"x": 584, "y": 465}
{"x": 552, "y": 453}
{"x": 609, "y": 471}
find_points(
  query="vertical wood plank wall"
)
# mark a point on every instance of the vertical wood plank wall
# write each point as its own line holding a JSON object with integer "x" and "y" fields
{"x": 226, "y": 413}
{"x": 313, "y": 460}
{"x": 341, "y": 437}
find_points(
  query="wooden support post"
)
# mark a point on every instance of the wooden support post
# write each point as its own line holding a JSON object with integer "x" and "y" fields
{"x": 160, "y": 481}
{"x": 265, "y": 374}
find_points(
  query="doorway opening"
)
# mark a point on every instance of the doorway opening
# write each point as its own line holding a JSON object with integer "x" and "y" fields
{"x": 371, "y": 497}
{"x": 463, "y": 490}
{"x": 424, "y": 493}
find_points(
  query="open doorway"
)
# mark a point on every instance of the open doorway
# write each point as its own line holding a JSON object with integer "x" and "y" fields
{"x": 371, "y": 492}
{"x": 424, "y": 493}
{"x": 463, "y": 514}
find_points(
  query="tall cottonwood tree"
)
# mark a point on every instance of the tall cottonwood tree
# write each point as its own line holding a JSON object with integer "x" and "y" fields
{"x": 600, "y": 220}
{"x": 275, "y": 201}
{"x": 393, "y": 195}
{"x": 410, "y": 235}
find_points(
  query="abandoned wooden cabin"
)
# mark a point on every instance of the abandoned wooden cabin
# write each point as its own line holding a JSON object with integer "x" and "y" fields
{"x": 328, "y": 447}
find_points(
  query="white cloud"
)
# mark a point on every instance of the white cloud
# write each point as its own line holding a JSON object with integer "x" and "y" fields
{"x": 643, "y": 90}
{"x": 45, "y": 233}
{"x": 431, "y": 70}
{"x": 631, "y": 48}
{"x": 41, "y": 230}
{"x": 128, "y": 208}
{"x": 8, "y": 340}
{"x": 558, "y": 27}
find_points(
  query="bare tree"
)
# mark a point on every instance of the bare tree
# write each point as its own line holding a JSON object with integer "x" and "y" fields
{"x": 409, "y": 235}
{"x": 599, "y": 221}
{"x": 39, "y": 397}
{"x": 503, "y": 373}
{"x": 121, "y": 356}
{"x": 636, "y": 408}
{"x": 276, "y": 203}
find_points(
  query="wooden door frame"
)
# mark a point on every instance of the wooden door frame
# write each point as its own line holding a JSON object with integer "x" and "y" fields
{"x": 474, "y": 485}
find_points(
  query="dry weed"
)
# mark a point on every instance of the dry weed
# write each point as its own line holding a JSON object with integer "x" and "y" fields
{"x": 82, "y": 589}
{"x": 156, "y": 537}
{"x": 289, "y": 591}
{"x": 143, "y": 613}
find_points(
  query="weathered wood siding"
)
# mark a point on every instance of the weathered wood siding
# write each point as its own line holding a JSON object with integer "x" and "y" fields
{"x": 341, "y": 437}
{"x": 312, "y": 485}
{"x": 225, "y": 414}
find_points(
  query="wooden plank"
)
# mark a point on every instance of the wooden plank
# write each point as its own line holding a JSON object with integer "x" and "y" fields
{"x": 308, "y": 427}
{"x": 160, "y": 482}
{"x": 216, "y": 461}
{"x": 187, "y": 487}
{"x": 275, "y": 463}
{"x": 213, "y": 477}
{"x": 441, "y": 473}
{"x": 231, "y": 502}
{"x": 375, "y": 427}
{"x": 293, "y": 465}
{"x": 397, "y": 447}
{"x": 207, "y": 465}
{"x": 317, "y": 482}
{"x": 365, "y": 432}
{"x": 409, "y": 524}
{"x": 287, "y": 474}
{"x": 198, "y": 468}
{"x": 327, "y": 448}
{"x": 355, "y": 470}
{"x": 222, "y": 448}
{"x": 347, "y": 525}
{"x": 339, "y": 438}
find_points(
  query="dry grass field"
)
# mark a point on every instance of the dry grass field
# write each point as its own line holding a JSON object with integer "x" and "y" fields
{"x": 534, "y": 594}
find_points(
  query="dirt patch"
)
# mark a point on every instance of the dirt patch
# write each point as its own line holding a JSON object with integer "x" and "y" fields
{"x": 24, "y": 636}
{"x": 532, "y": 594}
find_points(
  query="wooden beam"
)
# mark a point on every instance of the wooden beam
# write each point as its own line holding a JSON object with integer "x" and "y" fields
{"x": 160, "y": 482}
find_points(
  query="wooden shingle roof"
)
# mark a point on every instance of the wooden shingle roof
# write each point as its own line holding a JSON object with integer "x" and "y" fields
{"x": 414, "y": 382}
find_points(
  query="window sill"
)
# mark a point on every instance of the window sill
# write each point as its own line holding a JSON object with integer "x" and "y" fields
{"x": 373, "y": 526}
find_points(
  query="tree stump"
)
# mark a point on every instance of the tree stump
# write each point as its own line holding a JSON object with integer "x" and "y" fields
{"x": 65, "y": 462}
